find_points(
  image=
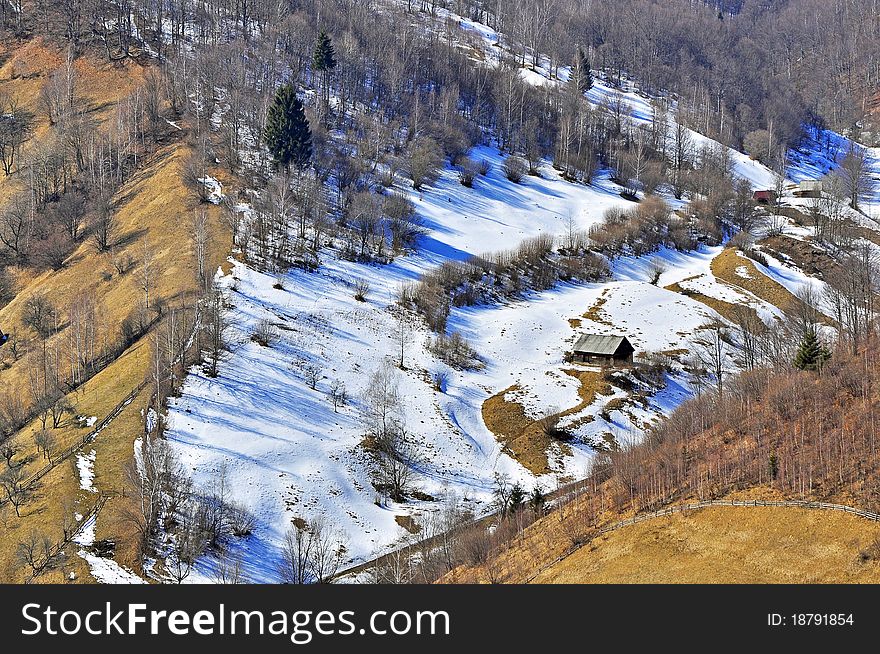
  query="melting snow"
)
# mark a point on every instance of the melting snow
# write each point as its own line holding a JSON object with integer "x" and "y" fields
{"x": 104, "y": 570}
{"x": 85, "y": 464}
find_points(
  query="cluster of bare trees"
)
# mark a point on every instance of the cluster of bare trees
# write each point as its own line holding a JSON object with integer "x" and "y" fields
{"x": 640, "y": 230}
{"x": 394, "y": 445}
{"x": 292, "y": 222}
{"x": 65, "y": 183}
{"x": 536, "y": 264}
{"x": 851, "y": 293}
{"x": 440, "y": 543}
{"x": 312, "y": 552}
{"x": 428, "y": 104}
{"x": 450, "y": 536}
{"x": 786, "y": 429}
{"x": 175, "y": 519}
{"x": 60, "y": 348}
{"x": 744, "y": 71}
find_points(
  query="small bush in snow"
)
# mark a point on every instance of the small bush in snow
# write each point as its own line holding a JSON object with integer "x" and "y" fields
{"x": 386, "y": 177}
{"x": 361, "y": 290}
{"x": 467, "y": 171}
{"x": 483, "y": 167}
{"x": 655, "y": 269}
{"x": 515, "y": 168}
{"x": 455, "y": 351}
{"x": 439, "y": 380}
{"x": 265, "y": 333}
{"x": 241, "y": 521}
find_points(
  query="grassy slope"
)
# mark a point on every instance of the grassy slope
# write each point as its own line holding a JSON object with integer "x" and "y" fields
{"x": 729, "y": 545}
{"x": 716, "y": 545}
{"x": 154, "y": 207}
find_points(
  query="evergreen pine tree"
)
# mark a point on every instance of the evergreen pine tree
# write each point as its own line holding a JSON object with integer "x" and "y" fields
{"x": 537, "y": 502}
{"x": 581, "y": 75}
{"x": 324, "y": 58}
{"x": 517, "y": 497}
{"x": 288, "y": 134}
{"x": 324, "y": 61}
{"x": 811, "y": 354}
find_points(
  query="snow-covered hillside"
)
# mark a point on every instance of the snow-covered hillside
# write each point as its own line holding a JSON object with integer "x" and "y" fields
{"x": 288, "y": 453}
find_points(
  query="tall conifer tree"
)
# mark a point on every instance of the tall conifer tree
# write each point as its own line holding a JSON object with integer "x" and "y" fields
{"x": 581, "y": 75}
{"x": 324, "y": 61}
{"x": 288, "y": 134}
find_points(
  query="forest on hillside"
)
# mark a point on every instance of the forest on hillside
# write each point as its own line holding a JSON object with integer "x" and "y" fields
{"x": 392, "y": 94}
{"x": 317, "y": 108}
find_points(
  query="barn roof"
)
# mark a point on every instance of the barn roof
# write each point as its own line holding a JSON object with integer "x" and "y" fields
{"x": 597, "y": 344}
{"x": 811, "y": 185}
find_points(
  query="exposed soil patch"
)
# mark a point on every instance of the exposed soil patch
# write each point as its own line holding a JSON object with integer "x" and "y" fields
{"x": 725, "y": 266}
{"x": 802, "y": 254}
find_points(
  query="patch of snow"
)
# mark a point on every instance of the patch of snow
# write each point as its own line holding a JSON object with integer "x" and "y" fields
{"x": 214, "y": 188}
{"x": 104, "y": 570}
{"x": 743, "y": 271}
{"x": 85, "y": 464}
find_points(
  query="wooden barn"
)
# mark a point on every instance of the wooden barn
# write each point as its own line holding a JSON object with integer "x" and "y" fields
{"x": 594, "y": 348}
{"x": 764, "y": 197}
{"x": 809, "y": 188}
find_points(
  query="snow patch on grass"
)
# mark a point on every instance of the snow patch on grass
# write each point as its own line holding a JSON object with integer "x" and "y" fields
{"x": 85, "y": 464}
{"x": 104, "y": 570}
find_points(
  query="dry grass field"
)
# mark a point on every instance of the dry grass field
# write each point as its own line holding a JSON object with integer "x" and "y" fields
{"x": 524, "y": 437}
{"x": 714, "y": 545}
{"x": 730, "y": 545}
{"x": 154, "y": 213}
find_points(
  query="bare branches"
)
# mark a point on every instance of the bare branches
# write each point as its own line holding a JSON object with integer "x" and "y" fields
{"x": 312, "y": 552}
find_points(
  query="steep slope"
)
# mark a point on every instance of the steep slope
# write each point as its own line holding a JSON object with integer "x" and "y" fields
{"x": 153, "y": 215}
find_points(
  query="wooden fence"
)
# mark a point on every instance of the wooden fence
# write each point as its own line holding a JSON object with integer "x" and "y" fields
{"x": 84, "y": 440}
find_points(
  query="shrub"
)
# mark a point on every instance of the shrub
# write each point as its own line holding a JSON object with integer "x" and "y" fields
{"x": 439, "y": 380}
{"x": 265, "y": 333}
{"x": 241, "y": 521}
{"x": 425, "y": 160}
{"x": 656, "y": 269}
{"x": 467, "y": 171}
{"x": 515, "y": 168}
{"x": 361, "y": 290}
{"x": 455, "y": 351}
